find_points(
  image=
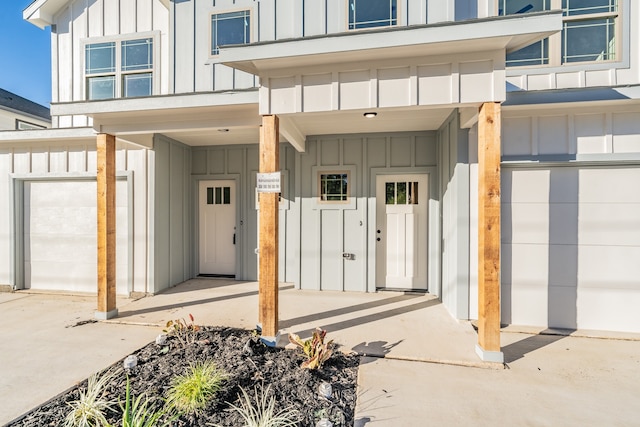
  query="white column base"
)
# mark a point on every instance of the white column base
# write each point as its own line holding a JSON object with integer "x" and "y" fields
{"x": 102, "y": 315}
{"x": 489, "y": 356}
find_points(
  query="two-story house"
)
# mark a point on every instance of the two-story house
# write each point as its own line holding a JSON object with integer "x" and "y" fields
{"x": 485, "y": 151}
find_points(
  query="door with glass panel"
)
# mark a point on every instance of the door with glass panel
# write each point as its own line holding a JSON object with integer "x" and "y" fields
{"x": 401, "y": 231}
{"x": 217, "y": 232}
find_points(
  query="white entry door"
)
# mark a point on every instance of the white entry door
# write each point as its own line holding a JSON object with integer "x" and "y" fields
{"x": 401, "y": 231}
{"x": 217, "y": 200}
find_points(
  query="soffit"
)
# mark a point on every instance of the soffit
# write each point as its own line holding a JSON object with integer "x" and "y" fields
{"x": 507, "y": 33}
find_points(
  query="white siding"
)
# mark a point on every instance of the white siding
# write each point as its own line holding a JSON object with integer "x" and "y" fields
{"x": 82, "y": 19}
{"x": 582, "y": 131}
{"x": 67, "y": 161}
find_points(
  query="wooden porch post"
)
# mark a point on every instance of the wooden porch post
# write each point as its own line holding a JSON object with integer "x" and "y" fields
{"x": 106, "y": 177}
{"x": 268, "y": 288}
{"x": 488, "y": 347}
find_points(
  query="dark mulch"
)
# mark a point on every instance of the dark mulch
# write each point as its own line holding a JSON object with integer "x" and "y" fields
{"x": 248, "y": 363}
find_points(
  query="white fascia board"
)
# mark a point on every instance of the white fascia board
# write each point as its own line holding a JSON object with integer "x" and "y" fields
{"x": 45, "y": 135}
{"x": 41, "y": 12}
{"x": 156, "y": 103}
{"x": 504, "y": 32}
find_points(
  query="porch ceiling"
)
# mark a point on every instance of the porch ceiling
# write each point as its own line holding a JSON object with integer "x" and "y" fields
{"x": 496, "y": 33}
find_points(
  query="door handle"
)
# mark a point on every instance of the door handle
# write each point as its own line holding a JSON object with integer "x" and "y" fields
{"x": 234, "y": 238}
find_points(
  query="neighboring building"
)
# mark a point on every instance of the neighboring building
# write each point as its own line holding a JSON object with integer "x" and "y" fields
{"x": 388, "y": 201}
{"x": 18, "y": 113}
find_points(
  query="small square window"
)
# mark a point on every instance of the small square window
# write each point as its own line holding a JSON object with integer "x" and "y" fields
{"x": 334, "y": 187}
{"x": 230, "y": 28}
{"x": 137, "y": 55}
{"x": 372, "y": 13}
{"x": 100, "y": 58}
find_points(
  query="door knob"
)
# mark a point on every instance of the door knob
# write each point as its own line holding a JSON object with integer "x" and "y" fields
{"x": 378, "y": 239}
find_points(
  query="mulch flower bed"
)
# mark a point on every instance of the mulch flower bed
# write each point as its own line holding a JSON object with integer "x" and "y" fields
{"x": 248, "y": 364}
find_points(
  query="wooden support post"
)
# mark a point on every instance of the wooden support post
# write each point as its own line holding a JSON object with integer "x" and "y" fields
{"x": 488, "y": 347}
{"x": 106, "y": 177}
{"x": 268, "y": 275}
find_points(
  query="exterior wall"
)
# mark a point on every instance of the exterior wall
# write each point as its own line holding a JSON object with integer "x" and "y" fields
{"x": 454, "y": 193}
{"x": 241, "y": 163}
{"x": 625, "y": 71}
{"x": 329, "y": 230}
{"x": 570, "y": 235}
{"x": 84, "y": 19}
{"x": 196, "y": 70}
{"x": 8, "y": 120}
{"x": 171, "y": 242}
{"x": 71, "y": 161}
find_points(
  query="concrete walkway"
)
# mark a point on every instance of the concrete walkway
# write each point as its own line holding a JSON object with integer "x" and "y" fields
{"x": 46, "y": 347}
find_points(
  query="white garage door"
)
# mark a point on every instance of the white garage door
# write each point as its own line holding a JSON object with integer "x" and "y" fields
{"x": 571, "y": 247}
{"x": 60, "y": 236}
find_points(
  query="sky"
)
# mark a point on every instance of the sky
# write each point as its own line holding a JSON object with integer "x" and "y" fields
{"x": 25, "y": 54}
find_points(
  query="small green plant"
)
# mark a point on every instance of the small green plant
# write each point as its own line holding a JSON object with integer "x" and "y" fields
{"x": 90, "y": 408}
{"x": 189, "y": 393}
{"x": 263, "y": 412}
{"x": 138, "y": 412}
{"x": 316, "y": 350}
{"x": 185, "y": 332}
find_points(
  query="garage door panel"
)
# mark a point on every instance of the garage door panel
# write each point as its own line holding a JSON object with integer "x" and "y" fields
{"x": 60, "y": 236}
{"x": 571, "y": 257}
{"x": 610, "y": 224}
{"x": 610, "y": 185}
{"x": 614, "y": 310}
{"x": 609, "y": 267}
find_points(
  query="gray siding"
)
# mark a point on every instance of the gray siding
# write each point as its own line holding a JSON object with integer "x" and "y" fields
{"x": 454, "y": 193}
{"x": 242, "y": 163}
{"x": 329, "y": 230}
{"x": 171, "y": 239}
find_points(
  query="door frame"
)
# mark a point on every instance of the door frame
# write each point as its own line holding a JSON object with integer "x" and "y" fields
{"x": 195, "y": 261}
{"x": 433, "y": 225}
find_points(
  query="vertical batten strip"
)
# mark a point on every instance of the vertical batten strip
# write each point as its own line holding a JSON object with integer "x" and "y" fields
{"x": 106, "y": 206}
{"x": 489, "y": 119}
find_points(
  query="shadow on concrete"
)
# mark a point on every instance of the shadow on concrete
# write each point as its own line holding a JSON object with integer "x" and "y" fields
{"x": 519, "y": 349}
{"x": 332, "y": 327}
{"x": 287, "y": 323}
{"x": 200, "y": 284}
{"x": 196, "y": 302}
{"x": 373, "y": 348}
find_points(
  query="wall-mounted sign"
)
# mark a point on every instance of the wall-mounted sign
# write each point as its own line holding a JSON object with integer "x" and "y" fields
{"x": 268, "y": 182}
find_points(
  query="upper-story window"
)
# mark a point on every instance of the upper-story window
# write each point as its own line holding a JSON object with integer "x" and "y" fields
{"x": 119, "y": 69}
{"x": 588, "y": 34}
{"x": 372, "y": 13}
{"x": 230, "y": 28}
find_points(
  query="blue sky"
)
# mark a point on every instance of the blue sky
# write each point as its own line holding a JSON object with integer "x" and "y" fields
{"x": 25, "y": 54}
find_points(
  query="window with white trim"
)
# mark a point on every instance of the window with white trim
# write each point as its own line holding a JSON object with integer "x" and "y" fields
{"x": 333, "y": 186}
{"x": 589, "y": 32}
{"x": 372, "y": 13}
{"x": 117, "y": 69}
{"x": 230, "y": 28}
{"x": 23, "y": 125}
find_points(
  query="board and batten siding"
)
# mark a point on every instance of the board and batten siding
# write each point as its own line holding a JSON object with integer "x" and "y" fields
{"x": 241, "y": 163}
{"x": 68, "y": 162}
{"x": 93, "y": 19}
{"x": 623, "y": 70}
{"x": 170, "y": 242}
{"x": 329, "y": 230}
{"x": 453, "y": 144}
{"x": 195, "y": 70}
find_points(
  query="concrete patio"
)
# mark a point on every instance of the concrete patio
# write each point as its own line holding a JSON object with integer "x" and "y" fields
{"x": 48, "y": 346}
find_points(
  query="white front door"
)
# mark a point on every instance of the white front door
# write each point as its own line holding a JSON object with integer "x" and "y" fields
{"x": 401, "y": 231}
{"x": 217, "y": 201}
